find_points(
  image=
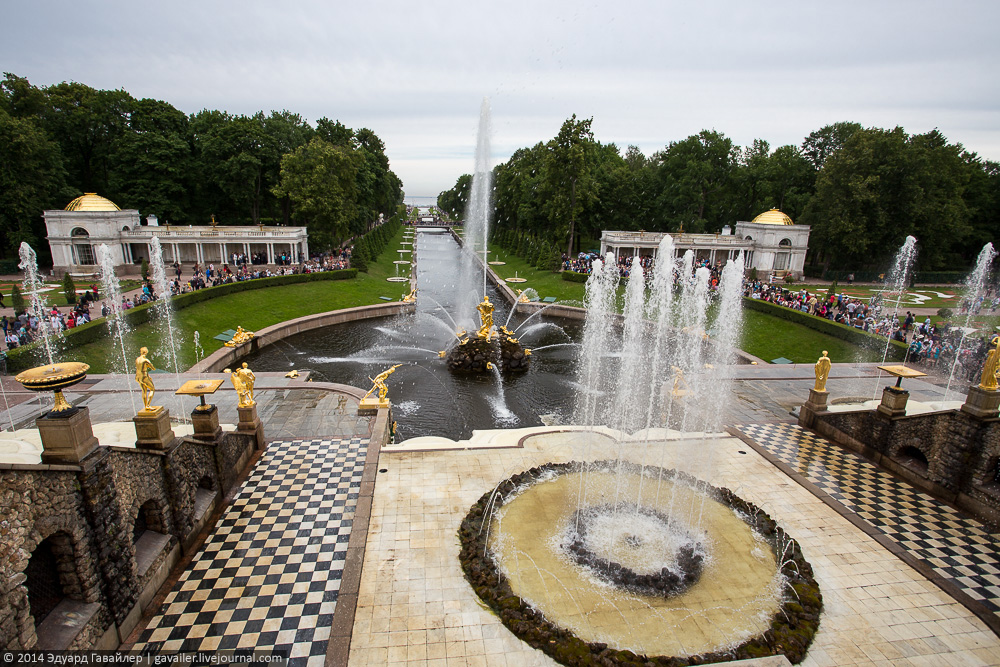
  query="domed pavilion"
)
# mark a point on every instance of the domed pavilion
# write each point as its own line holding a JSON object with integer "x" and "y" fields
{"x": 76, "y": 232}
{"x": 771, "y": 243}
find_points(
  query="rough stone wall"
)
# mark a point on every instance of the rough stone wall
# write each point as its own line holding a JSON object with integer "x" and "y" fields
{"x": 140, "y": 480}
{"x": 961, "y": 451}
{"x": 112, "y": 536}
{"x": 230, "y": 450}
{"x": 34, "y": 505}
{"x": 185, "y": 467}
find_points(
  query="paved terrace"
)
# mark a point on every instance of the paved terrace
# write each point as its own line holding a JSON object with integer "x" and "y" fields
{"x": 306, "y": 559}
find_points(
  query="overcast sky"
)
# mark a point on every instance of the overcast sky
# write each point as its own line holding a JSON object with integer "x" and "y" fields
{"x": 647, "y": 72}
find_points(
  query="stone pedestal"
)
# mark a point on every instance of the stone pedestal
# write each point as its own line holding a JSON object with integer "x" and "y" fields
{"x": 66, "y": 437}
{"x": 152, "y": 429}
{"x": 982, "y": 403}
{"x": 371, "y": 405}
{"x": 893, "y": 402}
{"x": 816, "y": 403}
{"x": 206, "y": 424}
{"x": 817, "y": 399}
{"x": 250, "y": 424}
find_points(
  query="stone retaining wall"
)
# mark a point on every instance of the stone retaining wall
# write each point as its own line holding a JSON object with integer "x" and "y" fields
{"x": 227, "y": 357}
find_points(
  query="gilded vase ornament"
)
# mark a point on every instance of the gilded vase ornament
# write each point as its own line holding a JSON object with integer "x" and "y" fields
{"x": 989, "y": 380}
{"x": 142, "y": 368}
{"x": 55, "y": 378}
{"x": 822, "y": 369}
{"x": 378, "y": 383}
{"x": 486, "y": 317}
{"x": 243, "y": 380}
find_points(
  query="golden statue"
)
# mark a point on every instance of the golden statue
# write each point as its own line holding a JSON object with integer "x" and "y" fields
{"x": 822, "y": 372}
{"x": 522, "y": 297}
{"x": 378, "y": 382}
{"x": 243, "y": 379}
{"x": 680, "y": 388}
{"x": 411, "y": 297}
{"x": 239, "y": 337}
{"x": 142, "y": 368}
{"x": 486, "y": 316}
{"x": 989, "y": 380}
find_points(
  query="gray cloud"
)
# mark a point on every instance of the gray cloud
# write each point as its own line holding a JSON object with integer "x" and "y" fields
{"x": 648, "y": 72}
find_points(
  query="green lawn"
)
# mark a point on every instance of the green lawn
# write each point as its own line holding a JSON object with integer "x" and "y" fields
{"x": 252, "y": 310}
{"x": 919, "y": 297}
{"x": 546, "y": 283}
{"x": 770, "y": 337}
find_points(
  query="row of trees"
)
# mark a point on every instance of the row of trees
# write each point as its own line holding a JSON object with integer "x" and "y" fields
{"x": 59, "y": 141}
{"x": 863, "y": 190}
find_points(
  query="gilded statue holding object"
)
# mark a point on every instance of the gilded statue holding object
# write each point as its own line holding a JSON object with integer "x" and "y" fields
{"x": 241, "y": 336}
{"x": 822, "y": 368}
{"x": 486, "y": 317}
{"x": 142, "y": 368}
{"x": 378, "y": 383}
{"x": 243, "y": 380}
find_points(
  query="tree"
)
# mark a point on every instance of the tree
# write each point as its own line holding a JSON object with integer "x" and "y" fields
{"x": 32, "y": 179}
{"x": 882, "y": 185}
{"x": 695, "y": 181}
{"x": 826, "y": 141}
{"x": 320, "y": 180}
{"x": 151, "y": 161}
{"x": 69, "y": 288}
{"x": 567, "y": 176}
{"x": 454, "y": 201}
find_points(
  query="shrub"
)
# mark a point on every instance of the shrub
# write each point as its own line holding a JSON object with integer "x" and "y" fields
{"x": 789, "y": 278}
{"x": 832, "y": 291}
{"x": 16, "y": 299}
{"x": 574, "y": 277}
{"x": 753, "y": 273}
{"x": 143, "y": 269}
{"x": 69, "y": 288}
{"x": 945, "y": 313}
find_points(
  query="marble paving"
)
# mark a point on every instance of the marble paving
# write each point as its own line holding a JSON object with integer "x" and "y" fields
{"x": 415, "y": 607}
{"x": 268, "y": 576}
{"x": 957, "y": 548}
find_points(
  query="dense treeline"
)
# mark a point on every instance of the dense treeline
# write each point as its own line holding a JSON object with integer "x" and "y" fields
{"x": 863, "y": 190}
{"x": 59, "y": 141}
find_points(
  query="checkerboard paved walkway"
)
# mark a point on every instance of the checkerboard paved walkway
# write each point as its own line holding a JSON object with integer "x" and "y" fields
{"x": 957, "y": 548}
{"x": 269, "y": 574}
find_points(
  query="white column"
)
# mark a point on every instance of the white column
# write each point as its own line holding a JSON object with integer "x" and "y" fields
{"x": 711, "y": 258}
{"x": 270, "y": 253}
{"x": 246, "y": 251}
{"x": 222, "y": 254}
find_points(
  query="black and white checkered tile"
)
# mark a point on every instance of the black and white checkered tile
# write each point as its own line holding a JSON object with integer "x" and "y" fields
{"x": 957, "y": 547}
{"x": 267, "y": 577}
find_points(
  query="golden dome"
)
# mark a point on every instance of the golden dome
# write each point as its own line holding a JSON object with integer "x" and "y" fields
{"x": 91, "y": 201}
{"x": 773, "y": 217}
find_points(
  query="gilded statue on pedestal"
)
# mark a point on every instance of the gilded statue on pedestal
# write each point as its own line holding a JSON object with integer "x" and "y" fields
{"x": 243, "y": 379}
{"x": 822, "y": 372}
{"x": 486, "y": 316}
{"x": 989, "y": 380}
{"x": 411, "y": 297}
{"x": 378, "y": 382}
{"x": 142, "y": 368}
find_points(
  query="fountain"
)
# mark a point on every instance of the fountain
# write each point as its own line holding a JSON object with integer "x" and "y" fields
{"x": 896, "y": 283}
{"x": 165, "y": 316}
{"x": 613, "y": 558}
{"x": 490, "y": 349}
{"x": 975, "y": 288}
{"x": 477, "y": 214}
{"x": 116, "y": 315}
{"x": 33, "y": 288}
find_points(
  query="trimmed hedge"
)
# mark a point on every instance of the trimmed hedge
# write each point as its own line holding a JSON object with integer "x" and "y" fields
{"x": 22, "y": 358}
{"x": 859, "y": 337}
{"x": 574, "y": 277}
{"x": 922, "y": 277}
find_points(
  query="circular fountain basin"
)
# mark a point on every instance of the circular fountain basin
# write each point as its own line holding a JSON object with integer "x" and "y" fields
{"x": 735, "y": 594}
{"x": 397, "y": 279}
{"x": 516, "y": 280}
{"x": 496, "y": 263}
{"x": 400, "y": 261}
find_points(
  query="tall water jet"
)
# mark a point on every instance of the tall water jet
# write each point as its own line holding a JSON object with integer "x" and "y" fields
{"x": 116, "y": 313}
{"x": 32, "y": 287}
{"x": 896, "y": 282}
{"x": 477, "y": 213}
{"x": 975, "y": 289}
{"x": 165, "y": 315}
